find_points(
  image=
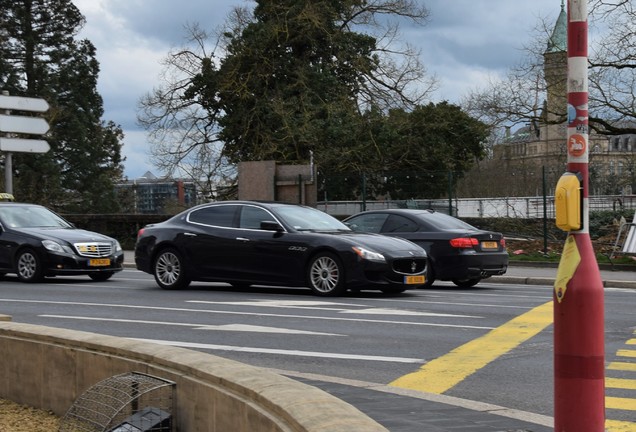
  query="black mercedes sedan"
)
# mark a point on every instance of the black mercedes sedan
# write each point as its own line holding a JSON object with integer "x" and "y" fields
{"x": 247, "y": 243}
{"x": 457, "y": 251}
{"x": 36, "y": 242}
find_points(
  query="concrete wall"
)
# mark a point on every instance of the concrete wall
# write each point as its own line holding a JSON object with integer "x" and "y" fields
{"x": 50, "y": 368}
{"x": 269, "y": 181}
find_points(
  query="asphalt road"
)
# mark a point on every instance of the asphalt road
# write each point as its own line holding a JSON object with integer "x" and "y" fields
{"x": 366, "y": 337}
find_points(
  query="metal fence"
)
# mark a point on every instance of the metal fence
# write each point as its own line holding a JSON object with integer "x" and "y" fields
{"x": 514, "y": 207}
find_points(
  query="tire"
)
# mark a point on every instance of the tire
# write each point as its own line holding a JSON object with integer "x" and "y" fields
{"x": 325, "y": 275}
{"x": 466, "y": 283}
{"x": 29, "y": 266}
{"x": 169, "y": 270}
{"x": 101, "y": 276}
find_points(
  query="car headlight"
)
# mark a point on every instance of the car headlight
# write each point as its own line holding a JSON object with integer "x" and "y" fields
{"x": 117, "y": 246}
{"x": 56, "y": 247}
{"x": 368, "y": 254}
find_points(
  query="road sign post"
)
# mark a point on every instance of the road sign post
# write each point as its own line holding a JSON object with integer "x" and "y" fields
{"x": 12, "y": 124}
{"x": 579, "y": 343}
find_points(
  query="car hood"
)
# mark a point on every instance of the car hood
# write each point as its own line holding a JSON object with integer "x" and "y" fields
{"x": 391, "y": 246}
{"x": 71, "y": 235}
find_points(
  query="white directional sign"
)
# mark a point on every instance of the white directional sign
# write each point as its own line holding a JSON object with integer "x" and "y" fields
{"x": 21, "y": 124}
{"x": 23, "y": 145}
{"x": 23, "y": 103}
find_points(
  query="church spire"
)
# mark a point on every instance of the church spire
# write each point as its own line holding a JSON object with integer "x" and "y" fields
{"x": 558, "y": 41}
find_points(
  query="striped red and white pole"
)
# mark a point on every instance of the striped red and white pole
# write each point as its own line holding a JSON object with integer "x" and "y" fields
{"x": 579, "y": 343}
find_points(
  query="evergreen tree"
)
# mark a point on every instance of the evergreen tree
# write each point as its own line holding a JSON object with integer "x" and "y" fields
{"x": 41, "y": 57}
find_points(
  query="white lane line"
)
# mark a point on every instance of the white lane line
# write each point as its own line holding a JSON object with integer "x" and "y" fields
{"x": 225, "y": 327}
{"x": 252, "y": 314}
{"x": 284, "y": 352}
{"x": 309, "y": 305}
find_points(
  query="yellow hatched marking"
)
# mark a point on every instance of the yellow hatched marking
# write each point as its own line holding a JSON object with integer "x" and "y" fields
{"x": 443, "y": 373}
{"x": 617, "y": 383}
{"x": 631, "y": 342}
{"x": 622, "y": 366}
{"x": 620, "y": 403}
{"x": 619, "y": 426}
{"x": 626, "y": 353}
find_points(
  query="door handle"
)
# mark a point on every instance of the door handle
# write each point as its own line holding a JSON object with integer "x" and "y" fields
{"x": 243, "y": 239}
{"x": 189, "y": 234}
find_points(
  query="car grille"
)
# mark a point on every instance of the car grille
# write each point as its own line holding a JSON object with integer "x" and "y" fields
{"x": 409, "y": 266}
{"x": 94, "y": 250}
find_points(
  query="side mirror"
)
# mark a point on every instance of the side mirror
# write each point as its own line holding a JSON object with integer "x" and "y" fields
{"x": 271, "y": 226}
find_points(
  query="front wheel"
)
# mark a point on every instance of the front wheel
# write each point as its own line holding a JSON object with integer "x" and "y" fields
{"x": 466, "y": 283}
{"x": 29, "y": 267}
{"x": 325, "y": 275}
{"x": 169, "y": 270}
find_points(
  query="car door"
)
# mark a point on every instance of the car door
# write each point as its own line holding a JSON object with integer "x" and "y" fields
{"x": 266, "y": 255}
{"x": 211, "y": 242}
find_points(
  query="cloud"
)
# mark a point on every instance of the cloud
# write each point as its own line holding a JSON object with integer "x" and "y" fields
{"x": 464, "y": 43}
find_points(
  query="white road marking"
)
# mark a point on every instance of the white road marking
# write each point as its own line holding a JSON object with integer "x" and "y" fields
{"x": 310, "y": 305}
{"x": 225, "y": 327}
{"x": 284, "y": 352}
{"x": 253, "y": 314}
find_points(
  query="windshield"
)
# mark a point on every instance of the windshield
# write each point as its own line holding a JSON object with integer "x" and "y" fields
{"x": 309, "y": 219}
{"x": 31, "y": 217}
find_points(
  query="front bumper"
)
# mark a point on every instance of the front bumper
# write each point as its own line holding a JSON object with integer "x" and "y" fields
{"x": 63, "y": 264}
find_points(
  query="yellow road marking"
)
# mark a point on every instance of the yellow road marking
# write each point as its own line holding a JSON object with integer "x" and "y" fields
{"x": 631, "y": 342}
{"x": 443, "y": 373}
{"x": 619, "y": 426}
{"x": 626, "y": 353}
{"x": 619, "y": 383}
{"x": 622, "y": 366}
{"x": 620, "y": 403}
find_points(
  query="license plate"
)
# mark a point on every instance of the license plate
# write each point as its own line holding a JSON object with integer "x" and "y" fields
{"x": 414, "y": 280}
{"x": 99, "y": 262}
{"x": 489, "y": 245}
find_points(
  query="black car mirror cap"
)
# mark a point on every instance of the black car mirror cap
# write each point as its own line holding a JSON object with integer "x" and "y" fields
{"x": 271, "y": 226}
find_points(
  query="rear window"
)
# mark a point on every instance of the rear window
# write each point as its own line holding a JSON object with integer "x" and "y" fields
{"x": 443, "y": 221}
{"x": 221, "y": 216}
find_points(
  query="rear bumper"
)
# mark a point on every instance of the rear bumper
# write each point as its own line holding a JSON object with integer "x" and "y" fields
{"x": 471, "y": 266}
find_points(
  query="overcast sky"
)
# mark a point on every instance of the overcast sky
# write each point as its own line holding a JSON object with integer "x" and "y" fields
{"x": 463, "y": 43}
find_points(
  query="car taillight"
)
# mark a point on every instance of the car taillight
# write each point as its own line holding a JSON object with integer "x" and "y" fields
{"x": 503, "y": 242}
{"x": 140, "y": 232}
{"x": 464, "y": 242}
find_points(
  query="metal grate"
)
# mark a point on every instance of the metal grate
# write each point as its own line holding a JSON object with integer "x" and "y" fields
{"x": 130, "y": 402}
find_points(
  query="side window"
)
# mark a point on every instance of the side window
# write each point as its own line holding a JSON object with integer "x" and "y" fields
{"x": 222, "y": 216}
{"x": 367, "y": 223}
{"x": 251, "y": 217}
{"x": 396, "y": 223}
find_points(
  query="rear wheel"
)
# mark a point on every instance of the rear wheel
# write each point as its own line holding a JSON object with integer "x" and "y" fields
{"x": 466, "y": 283}
{"x": 169, "y": 270}
{"x": 325, "y": 275}
{"x": 28, "y": 266}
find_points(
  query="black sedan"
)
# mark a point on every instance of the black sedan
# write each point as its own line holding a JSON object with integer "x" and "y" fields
{"x": 457, "y": 251}
{"x": 36, "y": 242}
{"x": 248, "y": 243}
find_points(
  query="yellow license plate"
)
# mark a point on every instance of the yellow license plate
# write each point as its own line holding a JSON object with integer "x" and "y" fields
{"x": 99, "y": 262}
{"x": 414, "y": 280}
{"x": 489, "y": 245}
